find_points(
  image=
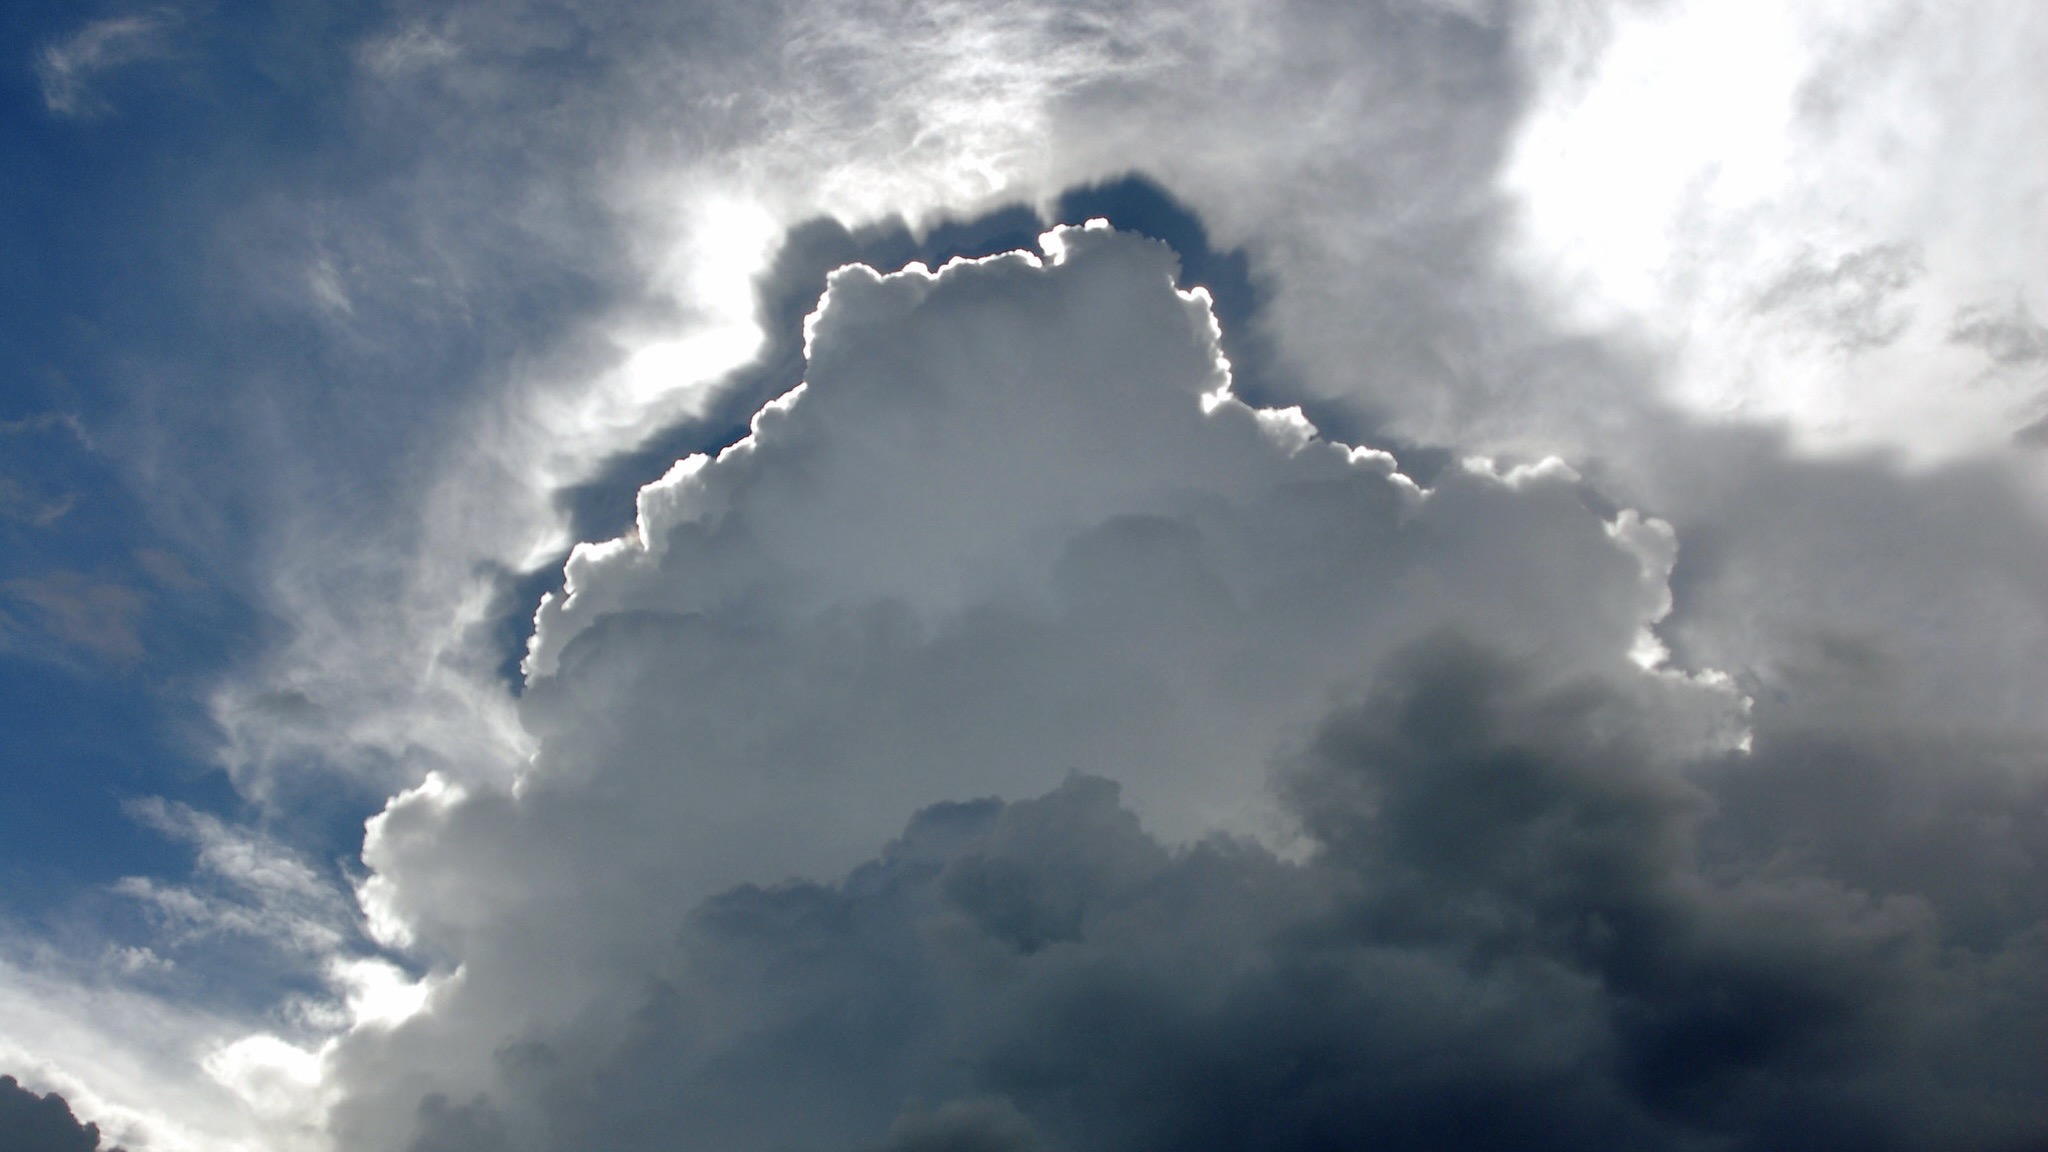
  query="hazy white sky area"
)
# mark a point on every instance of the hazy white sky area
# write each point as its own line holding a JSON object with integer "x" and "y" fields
{"x": 1497, "y": 597}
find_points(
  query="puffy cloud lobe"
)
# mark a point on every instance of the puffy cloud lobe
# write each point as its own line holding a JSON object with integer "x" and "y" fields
{"x": 1506, "y": 933}
{"x": 1012, "y": 526}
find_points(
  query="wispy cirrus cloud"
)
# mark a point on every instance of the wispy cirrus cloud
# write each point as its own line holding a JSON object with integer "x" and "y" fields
{"x": 74, "y": 610}
{"x": 68, "y": 69}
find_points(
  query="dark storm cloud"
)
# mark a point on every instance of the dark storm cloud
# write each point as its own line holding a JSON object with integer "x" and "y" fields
{"x": 1518, "y": 926}
{"x": 32, "y": 1123}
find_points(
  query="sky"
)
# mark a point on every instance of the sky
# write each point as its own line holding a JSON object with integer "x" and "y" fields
{"x": 946, "y": 576}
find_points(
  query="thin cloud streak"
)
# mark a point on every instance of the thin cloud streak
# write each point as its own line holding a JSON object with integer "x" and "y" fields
{"x": 69, "y": 68}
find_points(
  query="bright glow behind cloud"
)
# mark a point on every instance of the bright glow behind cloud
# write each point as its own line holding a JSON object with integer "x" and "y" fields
{"x": 1776, "y": 195}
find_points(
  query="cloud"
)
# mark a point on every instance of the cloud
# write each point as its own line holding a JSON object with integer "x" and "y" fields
{"x": 42, "y": 1123}
{"x": 2009, "y": 336}
{"x": 997, "y": 538}
{"x": 123, "y": 1056}
{"x": 1354, "y": 157}
{"x": 68, "y": 68}
{"x": 1794, "y": 250}
{"x": 1013, "y": 525}
{"x": 1850, "y": 300}
{"x": 666, "y": 150}
{"x": 250, "y": 886}
{"x": 166, "y": 569}
{"x": 72, "y": 609}
{"x": 1507, "y": 930}
{"x": 1850, "y": 591}
{"x": 213, "y": 1034}
{"x": 986, "y": 1125}
{"x": 22, "y": 504}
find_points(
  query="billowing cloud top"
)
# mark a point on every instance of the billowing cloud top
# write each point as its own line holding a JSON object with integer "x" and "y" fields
{"x": 1013, "y": 527}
